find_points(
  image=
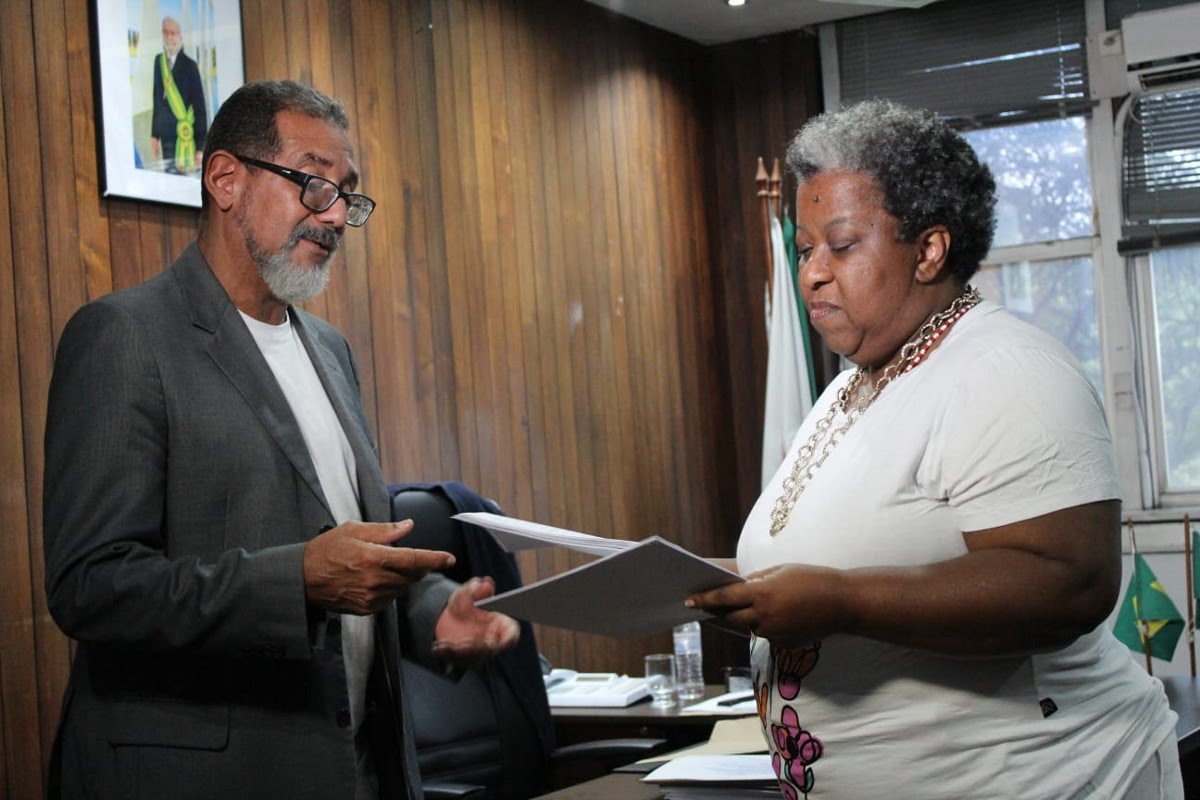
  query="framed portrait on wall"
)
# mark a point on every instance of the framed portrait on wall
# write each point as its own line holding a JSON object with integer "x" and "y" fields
{"x": 164, "y": 67}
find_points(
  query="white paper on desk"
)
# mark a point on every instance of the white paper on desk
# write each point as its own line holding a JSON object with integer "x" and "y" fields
{"x": 729, "y": 737}
{"x": 729, "y": 770}
{"x": 631, "y": 593}
{"x": 713, "y": 705}
{"x": 518, "y": 534}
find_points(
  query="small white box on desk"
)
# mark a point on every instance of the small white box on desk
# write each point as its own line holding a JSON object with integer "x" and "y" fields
{"x": 595, "y": 690}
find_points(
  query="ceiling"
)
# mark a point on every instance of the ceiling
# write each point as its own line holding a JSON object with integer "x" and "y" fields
{"x": 714, "y": 22}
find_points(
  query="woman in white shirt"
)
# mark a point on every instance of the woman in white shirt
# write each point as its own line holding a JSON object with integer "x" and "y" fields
{"x": 931, "y": 567}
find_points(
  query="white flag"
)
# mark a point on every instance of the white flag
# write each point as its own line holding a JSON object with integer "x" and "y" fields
{"x": 789, "y": 398}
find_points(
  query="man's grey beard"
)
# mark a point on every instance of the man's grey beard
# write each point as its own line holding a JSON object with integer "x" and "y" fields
{"x": 289, "y": 283}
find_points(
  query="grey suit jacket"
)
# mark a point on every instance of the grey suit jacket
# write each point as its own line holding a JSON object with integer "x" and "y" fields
{"x": 178, "y": 497}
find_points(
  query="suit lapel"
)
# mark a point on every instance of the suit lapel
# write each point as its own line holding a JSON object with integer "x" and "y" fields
{"x": 235, "y": 352}
{"x": 343, "y": 396}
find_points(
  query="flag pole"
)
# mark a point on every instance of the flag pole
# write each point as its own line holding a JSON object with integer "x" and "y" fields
{"x": 762, "y": 180}
{"x": 1191, "y": 618}
{"x": 775, "y": 189}
{"x": 1137, "y": 593}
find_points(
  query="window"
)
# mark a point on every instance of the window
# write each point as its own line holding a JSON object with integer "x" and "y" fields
{"x": 1044, "y": 198}
{"x": 1043, "y": 184}
{"x": 1174, "y": 369}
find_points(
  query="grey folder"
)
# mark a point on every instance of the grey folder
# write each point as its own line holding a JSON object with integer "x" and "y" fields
{"x": 634, "y": 592}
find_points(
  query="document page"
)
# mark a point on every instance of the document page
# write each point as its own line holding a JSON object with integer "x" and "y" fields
{"x": 634, "y": 592}
{"x": 517, "y": 534}
{"x": 719, "y": 769}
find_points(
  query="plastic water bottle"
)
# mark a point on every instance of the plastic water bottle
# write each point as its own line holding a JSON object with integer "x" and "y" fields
{"x": 689, "y": 669}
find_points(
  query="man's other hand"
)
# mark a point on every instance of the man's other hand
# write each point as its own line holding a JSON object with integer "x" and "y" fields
{"x": 469, "y": 635}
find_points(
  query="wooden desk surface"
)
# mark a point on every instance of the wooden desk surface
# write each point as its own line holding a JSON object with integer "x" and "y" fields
{"x": 623, "y": 785}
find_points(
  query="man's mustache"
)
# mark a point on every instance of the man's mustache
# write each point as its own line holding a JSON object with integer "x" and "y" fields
{"x": 326, "y": 237}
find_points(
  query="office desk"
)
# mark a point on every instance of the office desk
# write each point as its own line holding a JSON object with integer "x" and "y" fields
{"x": 1183, "y": 694}
{"x": 621, "y": 785}
{"x": 573, "y": 725}
{"x": 640, "y": 720}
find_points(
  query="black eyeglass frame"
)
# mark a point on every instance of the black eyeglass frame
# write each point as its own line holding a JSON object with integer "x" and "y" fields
{"x": 353, "y": 200}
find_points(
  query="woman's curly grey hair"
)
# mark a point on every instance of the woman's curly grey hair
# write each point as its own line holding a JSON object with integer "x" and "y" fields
{"x": 928, "y": 173}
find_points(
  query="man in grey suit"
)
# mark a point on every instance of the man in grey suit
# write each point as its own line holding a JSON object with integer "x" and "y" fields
{"x": 216, "y": 526}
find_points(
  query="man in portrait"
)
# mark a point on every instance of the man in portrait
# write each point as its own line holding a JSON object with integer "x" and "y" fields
{"x": 180, "y": 119}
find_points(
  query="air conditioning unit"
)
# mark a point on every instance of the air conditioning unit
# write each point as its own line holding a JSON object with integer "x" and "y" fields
{"x": 1162, "y": 48}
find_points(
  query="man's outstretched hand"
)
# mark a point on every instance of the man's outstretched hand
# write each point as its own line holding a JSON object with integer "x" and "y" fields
{"x": 469, "y": 635}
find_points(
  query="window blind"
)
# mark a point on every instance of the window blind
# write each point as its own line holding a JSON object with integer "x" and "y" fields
{"x": 975, "y": 62}
{"x": 1117, "y": 10}
{"x": 1161, "y": 171}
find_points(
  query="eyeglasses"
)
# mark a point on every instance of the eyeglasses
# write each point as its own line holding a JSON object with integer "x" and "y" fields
{"x": 318, "y": 194}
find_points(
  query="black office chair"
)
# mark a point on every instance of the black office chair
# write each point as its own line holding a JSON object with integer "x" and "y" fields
{"x": 488, "y": 735}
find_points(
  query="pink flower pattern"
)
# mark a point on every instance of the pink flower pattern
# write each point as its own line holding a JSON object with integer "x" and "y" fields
{"x": 793, "y": 749}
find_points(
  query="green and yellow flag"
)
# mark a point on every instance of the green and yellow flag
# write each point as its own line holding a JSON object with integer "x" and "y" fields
{"x": 1196, "y": 570}
{"x": 1148, "y": 611}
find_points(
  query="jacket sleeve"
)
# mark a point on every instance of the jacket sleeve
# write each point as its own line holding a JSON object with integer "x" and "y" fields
{"x": 111, "y": 574}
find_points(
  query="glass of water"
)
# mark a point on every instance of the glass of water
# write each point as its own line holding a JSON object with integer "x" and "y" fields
{"x": 660, "y": 676}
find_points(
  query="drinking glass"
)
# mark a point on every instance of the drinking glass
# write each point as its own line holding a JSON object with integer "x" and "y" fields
{"x": 660, "y": 676}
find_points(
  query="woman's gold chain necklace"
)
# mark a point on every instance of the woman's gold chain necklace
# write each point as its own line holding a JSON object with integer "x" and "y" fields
{"x": 808, "y": 460}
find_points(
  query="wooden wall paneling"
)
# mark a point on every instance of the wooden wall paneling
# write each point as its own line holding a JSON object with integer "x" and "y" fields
{"x": 503, "y": 89}
{"x": 30, "y": 294}
{"x": 531, "y": 501}
{"x": 330, "y": 32}
{"x": 92, "y": 218}
{"x": 712, "y": 348}
{"x": 488, "y": 137}
{"x": 297, "y": 35}
{"x": 182, "y": 225}
{"x": 253, "y": 33}
{"x": 378, "y": 124}
{"x": 633, "y": 188}
{"x": 154, "y": 250}
{"x": 18, "y": 708}
{"x": 676, "y": 281}
{"x": 124, "y": 242}
{"x": 593, "y": 370}
{"x": 538, "y": 61}
{"x": 66, "y": 281}
{"x": 741, "y": 257}
{"x": 599, "y": 221}
{"x": 441, "y": 448}
{"x": 274, "y": 53}
{"x": 617, "y": 416}
{"x": 651, "y": 348}
{"x": 521, "y": 109}
{"x": 413, "y": 420}
{"x": 459, "y": 218}
{"x": 577, "y": 262}
{"x": 4, "y": 784}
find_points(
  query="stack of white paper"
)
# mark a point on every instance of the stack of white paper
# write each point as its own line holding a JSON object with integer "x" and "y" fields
{"x": 741, "y": 777}
{"x": 634, "y": 590}
{"x": 518, "y": 534}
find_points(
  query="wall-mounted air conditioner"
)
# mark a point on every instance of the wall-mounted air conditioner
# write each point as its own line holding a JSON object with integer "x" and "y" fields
{"x": 1162, "y": 48}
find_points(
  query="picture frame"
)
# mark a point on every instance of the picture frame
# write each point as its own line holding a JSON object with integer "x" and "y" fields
{"x": 150, "y": 127}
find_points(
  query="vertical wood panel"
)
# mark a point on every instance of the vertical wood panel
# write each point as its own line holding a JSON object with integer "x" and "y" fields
{"x": 555, "y": 302}
{"x": 32, "y": 337}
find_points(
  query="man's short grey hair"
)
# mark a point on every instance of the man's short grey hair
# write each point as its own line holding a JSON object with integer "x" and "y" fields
{"x": 928, "y": 173}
